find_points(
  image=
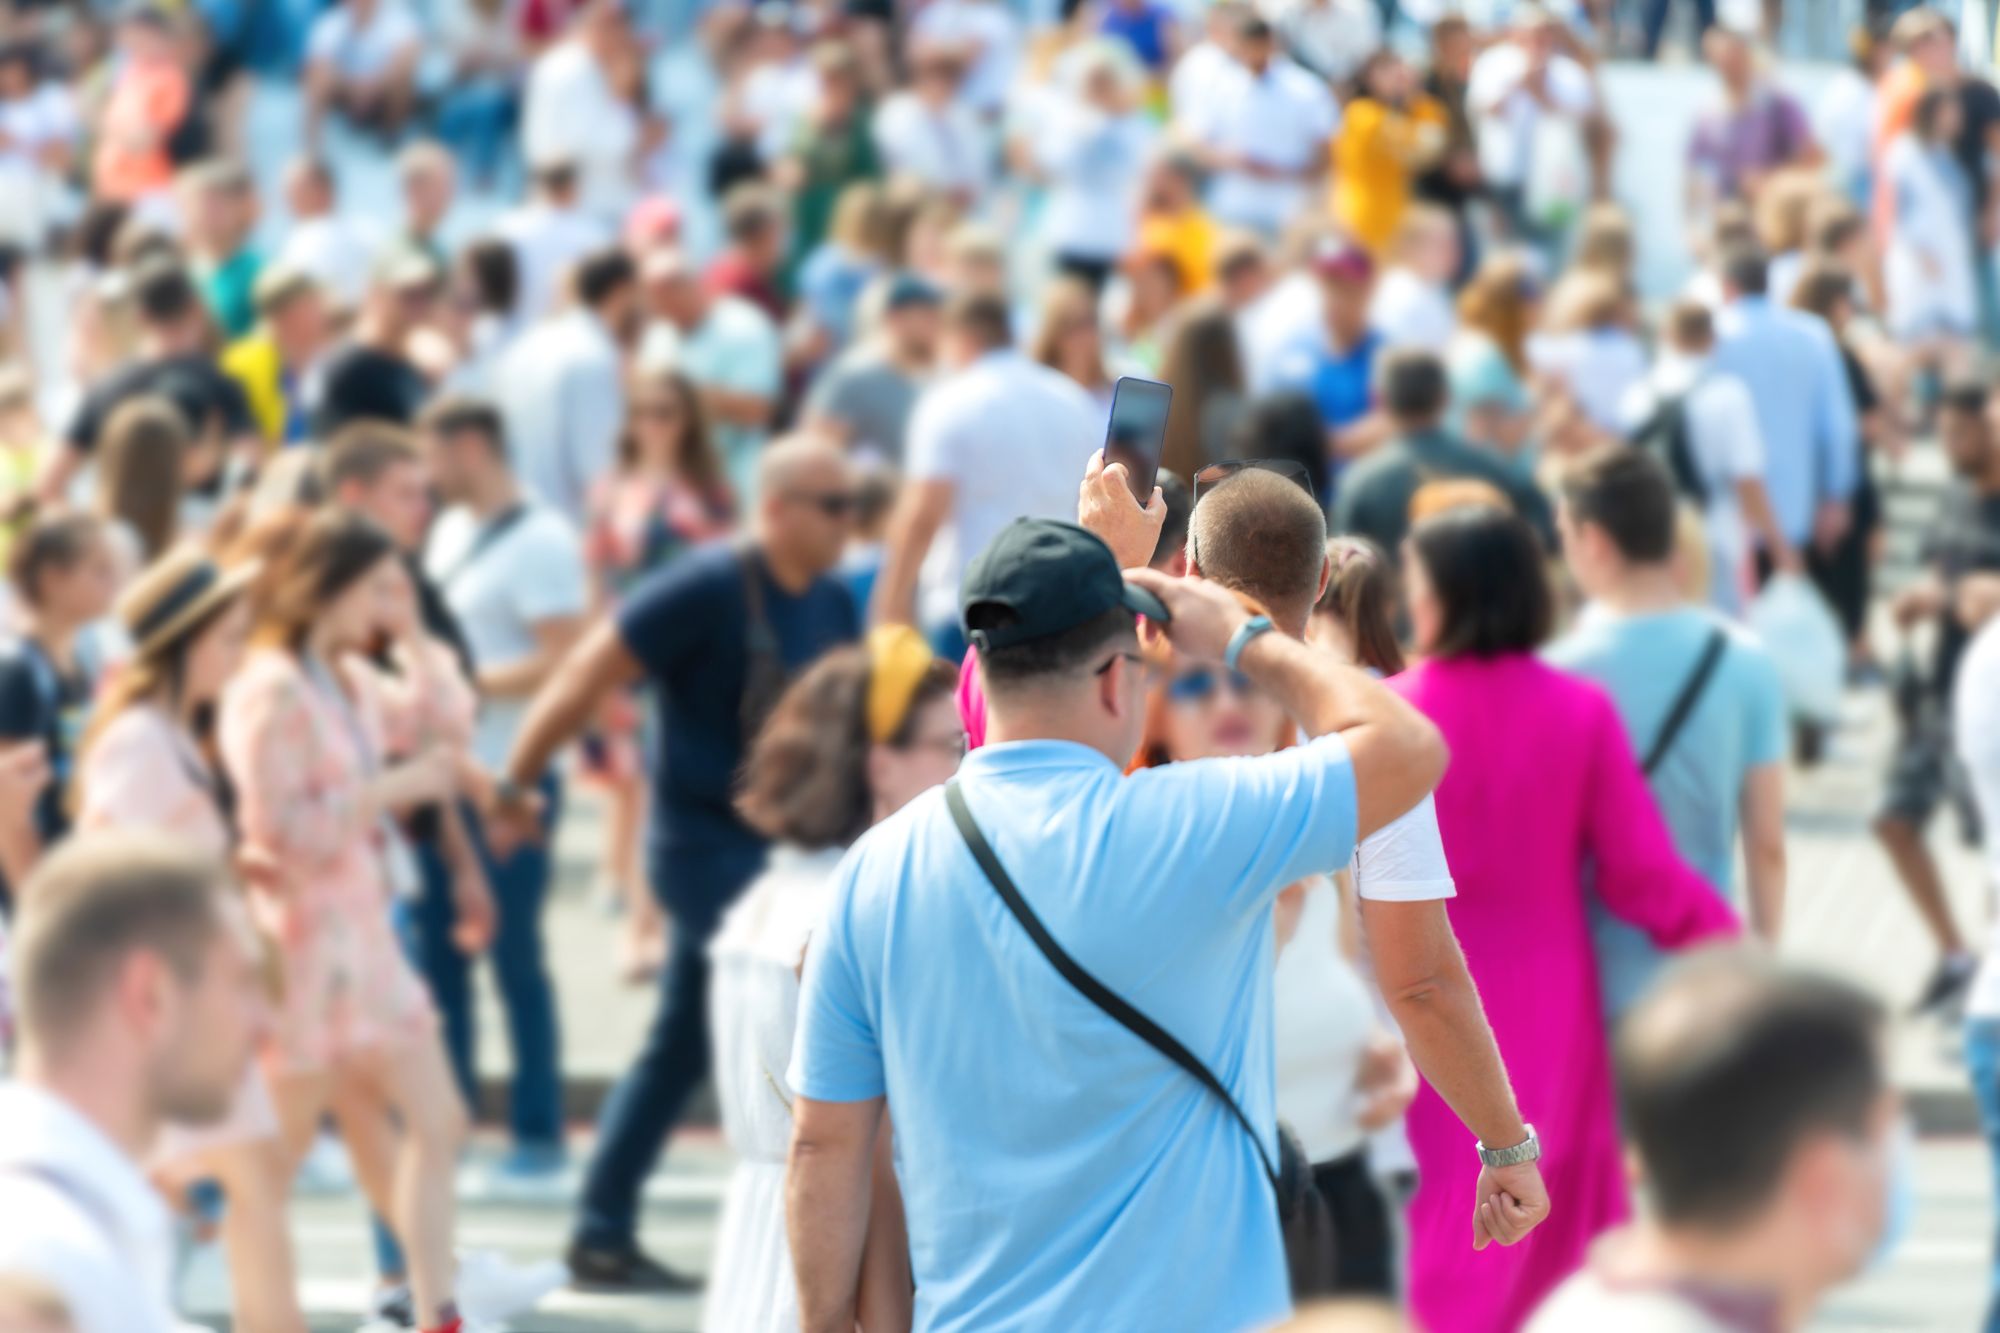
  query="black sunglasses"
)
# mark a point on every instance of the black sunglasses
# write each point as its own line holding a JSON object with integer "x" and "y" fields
{"x": 834, "y": 504}
{"x": 1216, "y": 473}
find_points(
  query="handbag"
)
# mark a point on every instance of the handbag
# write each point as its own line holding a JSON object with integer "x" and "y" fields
{"x": 1304, "y": 1220}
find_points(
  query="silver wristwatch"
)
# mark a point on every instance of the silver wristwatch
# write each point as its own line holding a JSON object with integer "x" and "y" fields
{"x": 1527, "y": 1150}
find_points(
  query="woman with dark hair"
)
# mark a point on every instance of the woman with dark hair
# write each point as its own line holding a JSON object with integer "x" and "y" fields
{"x": 1542, "y": 783}
{"x": 1204, "y": 362}
{"x": 140, "y": 462}
{"x": 863, "y": 732}
{"x": 305, "y": 728}
{"x": 667, "y": 495}
{"x": 146, "y": 763}
{"x": 1284, "y": 425}
{"x": 1929, "y": 268}
{"x": 1355, "y": 617}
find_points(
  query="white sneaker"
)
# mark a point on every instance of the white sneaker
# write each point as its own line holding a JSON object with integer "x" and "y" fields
{"x": 326, "y": 1169}
{"x": 492, "y": 1289}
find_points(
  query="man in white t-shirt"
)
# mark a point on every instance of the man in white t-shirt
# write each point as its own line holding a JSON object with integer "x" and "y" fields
{"x": 1757, "y": 1104}
{"x": 337, "y": 250}
{"x": 573, "y": 111}
{"x": 987, "y": 39}
{"x": 1515, "y": 86}
{"x": 512, "y": 572}
{"x": 1263, "y": 129}
{"x": 140, "y": 1004}
{"x": 551, "y": 232}
{"x": 727, "y": 346}
{"x": 1725, "y": 444}
{"x": 1001, "y": 437}
{"x": 931, "y": 132}
{"x": 361, "y": 63}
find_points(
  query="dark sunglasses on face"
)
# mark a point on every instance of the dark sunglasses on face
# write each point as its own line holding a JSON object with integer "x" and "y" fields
{"x": 834, "y": 504}
{"x": 1216, "y": 473}
{"x": 1198, "y": 687}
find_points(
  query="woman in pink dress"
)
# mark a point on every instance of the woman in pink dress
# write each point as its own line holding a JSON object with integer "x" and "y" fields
{"x": 144, "y": 765}
{"x": 305, "y": 726}
{"x": 666, "y": 496}
{"x": 1542, "y": 803}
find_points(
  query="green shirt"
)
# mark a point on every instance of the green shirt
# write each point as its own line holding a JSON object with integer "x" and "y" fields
{"x": 1375, "y": 494}
{"x": 230, "y": 289}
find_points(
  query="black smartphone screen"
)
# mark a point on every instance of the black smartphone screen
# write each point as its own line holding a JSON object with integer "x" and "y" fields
{"x": 1138, "y": 428}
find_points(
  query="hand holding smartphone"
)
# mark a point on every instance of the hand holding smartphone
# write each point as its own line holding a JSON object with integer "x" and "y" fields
{"x": 1138, "y": 430}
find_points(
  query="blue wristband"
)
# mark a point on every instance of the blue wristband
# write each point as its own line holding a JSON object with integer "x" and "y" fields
{"x": 1245, "y": 634}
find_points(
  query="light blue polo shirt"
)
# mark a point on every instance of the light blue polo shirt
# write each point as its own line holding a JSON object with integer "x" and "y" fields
{"x": 1058, "y": 1172}
{"x": 1644, "y": 661}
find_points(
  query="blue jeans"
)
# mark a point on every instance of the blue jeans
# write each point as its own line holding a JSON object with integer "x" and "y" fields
{"x": 643, "y": 1108}
{"x": 1982, "y": 1063}
{"x": 520, "y": 887}
{"x": 476, "y": 120}
{"x": 1656, "y": 22}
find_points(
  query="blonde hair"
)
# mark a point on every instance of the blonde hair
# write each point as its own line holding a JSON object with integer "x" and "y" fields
{"x": 1785, "y": 210}
{"x": 1499, "y": 302}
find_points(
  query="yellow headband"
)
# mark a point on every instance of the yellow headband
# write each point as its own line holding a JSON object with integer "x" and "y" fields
{"x": 898, "y": 657}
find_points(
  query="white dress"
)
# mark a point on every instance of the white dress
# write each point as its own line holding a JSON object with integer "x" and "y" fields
{"x": 753, "y": 1010}
{"x": 1929, "y": 269}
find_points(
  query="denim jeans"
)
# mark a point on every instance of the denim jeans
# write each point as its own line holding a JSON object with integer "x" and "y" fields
{"x": 1656, "y": 22}
{"x": 520, "y": 887}
{"x": 476, "y": 120}
{"x": 1982, "y": 1063}
{"x": 643, "y": 1108}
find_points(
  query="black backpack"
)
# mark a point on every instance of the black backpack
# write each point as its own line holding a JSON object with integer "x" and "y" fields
{"x": 1665, "y": 435}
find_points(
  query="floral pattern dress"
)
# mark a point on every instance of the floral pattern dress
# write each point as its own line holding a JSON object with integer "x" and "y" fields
{"x": 300, "y": 746}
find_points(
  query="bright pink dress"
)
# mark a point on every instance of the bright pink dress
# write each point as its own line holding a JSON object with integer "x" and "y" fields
{"x": 1542, "y": 784}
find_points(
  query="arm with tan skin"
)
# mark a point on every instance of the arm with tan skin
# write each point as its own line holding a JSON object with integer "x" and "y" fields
{"x": 1763, "y": 815}
{"x": 920, "y": 512}
{"x": 829, "y": 1179}
{"x": 598, "y": 664}
{"x": 1763, "y": 520}
{"x": 1397, "y": 757}
{"x": 884, "y": 1301}
{"x": 553, "y": 640}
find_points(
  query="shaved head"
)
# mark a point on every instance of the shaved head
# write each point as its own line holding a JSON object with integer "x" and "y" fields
{"x": 1262, "y": 535}
{"x": 800, "y": 462}
{"x": 805, "y": 501}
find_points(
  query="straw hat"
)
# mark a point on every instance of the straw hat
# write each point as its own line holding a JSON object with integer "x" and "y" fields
{"x": 173, "y": 595}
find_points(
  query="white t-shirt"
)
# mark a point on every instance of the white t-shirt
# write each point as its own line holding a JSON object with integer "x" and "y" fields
{"x": 528, "y": 574}
{"x": 1507, "y": 116}
{"x": 1976, "y": 724}
{"x": 30, "y": 124}
{"x": 1095, "y": 164}
{"x": 547, "y": 241}
{"x": 338, "y": 253}
{"x": 1196, "y": 77}
{"x": 1282, "y": 119}
{"x": 985, "y": 28}
{"x": 1597, "y": 366}
{"x": 1012, "y": 437}
{"x": 1589, "y": 1303}
{"x": 1410, "y": 312}
{"x": 571, "y": 114}
{"x": 78, "y": 1216}
{"x": 947, "y": 149}
{"x": 1291, "y": 312}
{"x": 367, "y": 49}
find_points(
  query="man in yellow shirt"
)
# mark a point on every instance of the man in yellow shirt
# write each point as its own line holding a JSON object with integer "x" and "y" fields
{"x": 271, "y": 362}
{"x": 1390, "y": 134}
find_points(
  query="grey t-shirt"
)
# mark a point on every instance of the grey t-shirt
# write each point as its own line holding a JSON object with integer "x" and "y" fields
{"x": 870, "y": 398}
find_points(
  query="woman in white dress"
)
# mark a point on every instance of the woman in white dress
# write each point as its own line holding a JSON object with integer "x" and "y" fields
{"x": 1929, "y": 269}
{"x": 853, "y": 740}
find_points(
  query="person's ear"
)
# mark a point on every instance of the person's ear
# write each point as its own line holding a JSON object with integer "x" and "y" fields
{"x": 1325, "y": 578}
{"x": 1111, "y": 687}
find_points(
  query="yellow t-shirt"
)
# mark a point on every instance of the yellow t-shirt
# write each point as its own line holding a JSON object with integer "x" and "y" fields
{"x": 252, "y": 361}
{"x": 1375, "y": 156}
{"x": 1189, "y": 239}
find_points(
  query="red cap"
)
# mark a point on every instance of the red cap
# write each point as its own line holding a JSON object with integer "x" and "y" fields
{"x": 654, "y": 220}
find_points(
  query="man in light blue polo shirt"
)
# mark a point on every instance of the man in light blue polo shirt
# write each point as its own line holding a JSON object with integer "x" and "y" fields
{"x": 1058, "y": 1172}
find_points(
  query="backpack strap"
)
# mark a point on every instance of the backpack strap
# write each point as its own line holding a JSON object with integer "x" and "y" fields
{"x": 1116, "y": 1009}
{"x": 1690, "y": 695}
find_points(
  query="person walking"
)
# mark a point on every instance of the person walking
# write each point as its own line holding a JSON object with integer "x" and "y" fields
{"x": 1480, "y": 605}
{"x": 716, "y": 634}
{"x": 139, "y": 1005}
{"x": 1088, "y": 1145}
{"x": 1000, "y": 437}
{"x": 854, "y": 740}
{"x": 1700, "y": 699}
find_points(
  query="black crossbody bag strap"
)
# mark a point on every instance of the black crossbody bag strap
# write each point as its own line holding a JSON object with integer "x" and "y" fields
{"x": 1121, "y": 1013}
{"x": 1690, "y": 695}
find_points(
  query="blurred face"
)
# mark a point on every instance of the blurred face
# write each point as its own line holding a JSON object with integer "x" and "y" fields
{"x": 623, "y": 316}
{"x": 208, "y": 1025}
{"x": 660, "y": 418}
{"x": 1212, "y": 712}
{"x": 16, "y": 79}
{"x": 1967, "y": 439}
{"x": 427, "y": 195}
{"x": 1936, "y": 56}
{"x": 1254, "y": 52}
{"x": 1453, "y": 55}
{"x": 1730, "y": 56}
{"x": 915, "y": 330}
{"x": 936, "y": 81}
{"x": 398, "y": 501}
{"x": 1436, "y": 254}
{"x": 1106, "y": 91}
{"x": 1843, "y": 1188}
{"x": 1426, "y": 615}
{"x": 1080, "y": 345}
{"x": 675, "y": 296}
{"x": 978, "y": 271}
{"x": 83, "y": 592}
{"x": 299, "y": 328}
{"x": 1156, "y": 285}
{"x": 1347, "y": 302}
{"x": 216, "y": 653}
{"x": 898, "y": 774}
{"x": 1390, "y": 80}
{"x": 811, "y": 516}
{"x": 375, "y": 603}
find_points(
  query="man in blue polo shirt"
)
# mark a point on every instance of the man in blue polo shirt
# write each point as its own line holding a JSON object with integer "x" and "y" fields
{"x": 1334, "y": 365}
{"x": 1050, "y": 1160}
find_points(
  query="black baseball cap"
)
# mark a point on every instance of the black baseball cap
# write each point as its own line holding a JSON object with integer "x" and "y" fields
{"x": 1053, "y": 576}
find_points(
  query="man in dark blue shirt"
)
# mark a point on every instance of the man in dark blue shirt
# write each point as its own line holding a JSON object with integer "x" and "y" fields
{"x": 716, "y": 635}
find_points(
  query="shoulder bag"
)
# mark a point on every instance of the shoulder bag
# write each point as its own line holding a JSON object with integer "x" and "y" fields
{"x": 1683, "y": 706}
{"x": 1303, "y": 1217}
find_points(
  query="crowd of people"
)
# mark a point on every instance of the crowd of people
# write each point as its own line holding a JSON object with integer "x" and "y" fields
{"x": 712, "y": 432}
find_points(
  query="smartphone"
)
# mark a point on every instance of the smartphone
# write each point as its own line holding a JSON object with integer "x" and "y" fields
{"x": 1138, "y": 429}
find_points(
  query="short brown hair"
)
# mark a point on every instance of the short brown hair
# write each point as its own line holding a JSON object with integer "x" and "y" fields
{"x": 1261, "y": 534}
{"x": 52, "y": 542}
{"x": 806, "y": 780}
{"x": 981, "y": 316}
{"x": 466, "y": 416}
{"x": 363, "y": 450}
{"x": 1628, "y": 493}
{"x": 1690, "y": 326}
{"x": 98, "y": 898}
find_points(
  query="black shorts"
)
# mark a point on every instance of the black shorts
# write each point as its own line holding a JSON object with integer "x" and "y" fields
{"x": 1925, "y": 772}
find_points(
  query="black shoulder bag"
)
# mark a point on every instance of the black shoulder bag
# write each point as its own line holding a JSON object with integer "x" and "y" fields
{"x": 1690, "y": 695}
{"x": 1303, "y": 1217}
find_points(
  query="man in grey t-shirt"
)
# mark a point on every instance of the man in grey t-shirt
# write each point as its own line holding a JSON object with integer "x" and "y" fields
{"x": 866, "y": 395}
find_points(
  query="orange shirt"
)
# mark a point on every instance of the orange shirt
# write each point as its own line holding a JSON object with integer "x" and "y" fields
{"x": 1375, "y": 155}
{"x": 1895, "y": 110}
{"x": 1188, "y": 238}
{"x": 145, "y": 106}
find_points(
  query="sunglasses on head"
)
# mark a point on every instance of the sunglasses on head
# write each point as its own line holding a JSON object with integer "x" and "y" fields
{"x": 1199, "y": 686}
{"x": 1216, "y": 473}
{"x": 834, "y": 504}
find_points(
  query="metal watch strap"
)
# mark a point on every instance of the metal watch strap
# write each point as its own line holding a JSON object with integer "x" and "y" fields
{"x": 1527, "y": 1150}
{"x": 1245, "y": 635}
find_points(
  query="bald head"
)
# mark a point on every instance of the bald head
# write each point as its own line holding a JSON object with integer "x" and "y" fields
{"x": 805, "y": 489}
{"x": 1262, "y": 535}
